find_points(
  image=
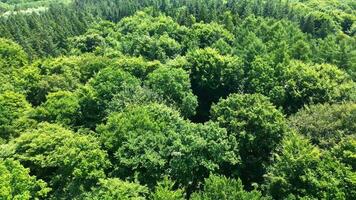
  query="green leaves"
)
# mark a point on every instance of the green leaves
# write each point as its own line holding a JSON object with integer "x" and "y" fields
{"x": 220, "y": 187}
{"x": 213, "y": 73}
{"x": 213, "y": 76}
{"x": 152, "y": 141}
{"x": 257, "y": 126}
{"x": 14, "y": 112}
{"x": 61, "y": 107}
{"x": 325, "y": 124}
{"x": 164, "y": 190}
{"x": 70, "y": 163}
{"x": 208, "y": 35}
{"x": 303, "y": 171}
{"x": 174, "y": 86}
{"x": 17, "y": 183}
{"x": 116, "y": 189}
{"x": 96, "y": 96}
{"x": 108, "y": 116}
{"x": 12, "y": 55}
{"x": 316, "y": 84}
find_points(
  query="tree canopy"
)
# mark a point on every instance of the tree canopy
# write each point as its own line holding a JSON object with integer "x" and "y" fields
{"x": 177, "y": 99}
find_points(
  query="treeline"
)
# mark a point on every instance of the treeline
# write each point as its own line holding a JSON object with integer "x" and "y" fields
{"x": 318, "y": 19}
{"x": 45, "y": 33}
{"x": 312, "y": 15}
{"x": 8, "y": 6}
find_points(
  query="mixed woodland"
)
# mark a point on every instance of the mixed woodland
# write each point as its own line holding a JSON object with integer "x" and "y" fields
{"x": 178, "y": 99}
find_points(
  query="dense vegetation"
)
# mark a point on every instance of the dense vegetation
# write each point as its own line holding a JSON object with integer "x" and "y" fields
{"x": 174, "y": 100}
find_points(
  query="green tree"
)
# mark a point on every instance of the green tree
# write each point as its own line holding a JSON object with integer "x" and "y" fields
{"x": 12, "y": 55}
{"x": 17, "y": 183}
{"x": 174, "y": 86}
{"x": 152, "y": 141}
{"x": 70, "y": 163}
{"x": 318, "y": 24}
{"x": 50, "y": 75}
{"x": 325, "y": 124}
{"x": 213, "y": 76}
{"x": 89, "y": 65}
{"x": 12, "y": 60}
{"x": 114, "y": 188}
{"x": 135, "y": 95}
{"x": 101, "y": 39}
{"x": 96, "y": 96}
{"x": 220, "y": 187}
{"x": 302, "y": 171}
{"x": 258, "y": 128}
{"x": 264, "y": 77}
{"x": 165, "y": 190}
{"x": 320, "y": 83}
{"x": 138, "y": 67}
{"x": 87, "y": 43}
{"x": 109, "y": 82}
{"x": 345, "y": 151}
{"x": 14, "y": 111}
{"x": 155, "y": 37}
{"x": 60, "y": 107}
{"x": 206, "y": 35}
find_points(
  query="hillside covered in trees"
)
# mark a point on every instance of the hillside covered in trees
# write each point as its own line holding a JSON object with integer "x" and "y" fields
{"x": 178, "y": 99}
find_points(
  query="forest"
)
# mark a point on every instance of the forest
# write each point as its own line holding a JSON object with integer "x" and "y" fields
{"x": 178, "y": 99}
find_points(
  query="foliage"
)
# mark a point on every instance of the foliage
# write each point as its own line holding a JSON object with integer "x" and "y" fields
{"x": 12, "y": 54}
{"x": 213, "y": 76}
{"x": 164, "y": 190}
{"x": 60, "y": 107}
{"x": 116, "y": 189}
{"x": 12, "y": 60}
{"x": 44, "y": 34}
{"x": 316, "y": 84}
{"x": 220, "y": 187}
{"x": 138, "y": 67}
{"x": 17, "y": 183}
{"x": 174, "y": 86}
{"x": 209, "y": 35}
{"x": 96, "y": 96}
{"x": 14, "y": 111}
{"x": 51, "y": 75}
{"x": 151, "y": 141}
{"x": 257, "y": 126}
{"x": 167, "y": 99}
{"x": 294, "y": 84}
{"x": 70, "y": 163}
{"x": 345, "y": 151}
{"x": 324, "y": 124}
{"x": 301, "y": 170}
{"x": 135, "y": 95}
